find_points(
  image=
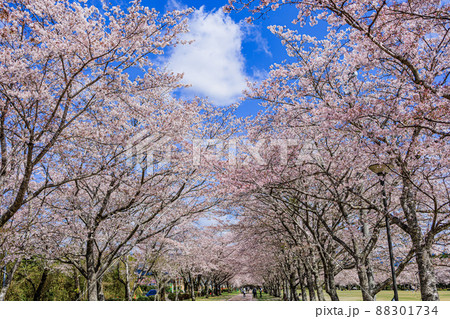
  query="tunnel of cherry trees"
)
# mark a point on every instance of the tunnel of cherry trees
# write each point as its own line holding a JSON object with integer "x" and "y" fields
{"x": 113, "y": 185}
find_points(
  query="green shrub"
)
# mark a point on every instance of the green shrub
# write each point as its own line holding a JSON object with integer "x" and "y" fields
{"x": 181, "y": 296}
{"x": 171, "y": 296}
{"x": 184, "y": 296}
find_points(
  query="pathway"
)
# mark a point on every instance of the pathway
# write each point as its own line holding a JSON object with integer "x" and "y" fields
{"x": 240, "y": 297}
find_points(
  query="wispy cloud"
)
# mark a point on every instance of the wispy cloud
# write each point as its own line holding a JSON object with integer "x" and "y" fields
{"x": 174, "y": 5}
{"x": 253, "y": 34}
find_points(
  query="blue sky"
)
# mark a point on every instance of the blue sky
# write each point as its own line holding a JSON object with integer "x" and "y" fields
{"x": 226, "y": 51}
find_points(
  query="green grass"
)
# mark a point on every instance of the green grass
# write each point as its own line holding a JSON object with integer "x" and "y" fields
{"x": 267, "y": 297}
{"x": 386, "y": 295}
{"x": 224, "y": 296}
{"x": 346, "y": 295}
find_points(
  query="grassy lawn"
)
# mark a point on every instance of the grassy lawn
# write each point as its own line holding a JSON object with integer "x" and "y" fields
{"x": 346, "y": 295}
{"x": 386, "y": 295}
{"x": 222, "y": 297}
{"x": 267, "y": 297}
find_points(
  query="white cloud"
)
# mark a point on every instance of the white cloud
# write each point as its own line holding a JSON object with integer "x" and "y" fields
{"x": 213, "y": 64}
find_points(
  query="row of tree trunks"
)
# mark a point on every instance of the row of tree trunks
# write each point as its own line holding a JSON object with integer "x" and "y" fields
{"x": 302, "y": 283}
{"x": 7, "y": 277}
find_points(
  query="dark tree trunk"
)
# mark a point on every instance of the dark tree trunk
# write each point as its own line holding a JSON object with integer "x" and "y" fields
{"x": 317, "y": 284}
{"x": 303, "y": 289}
{"x": 40, "y": 289}
{"x": 330, "y": 284}
{"x": 277, "y": 292}
{"x": 293, "y": 287}
{"x": 162, "y": 292}
{"x": 191, "y": 287}
{"x": 310, "y": 283}
{"x": 285, "y": 291}
{"x": 301, "y": 279}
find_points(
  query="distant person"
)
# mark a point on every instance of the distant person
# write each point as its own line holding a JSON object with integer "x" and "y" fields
{"x": 260, "y": 292}
{"x": 254, "y": 292}
{"x": 243, "y": 291}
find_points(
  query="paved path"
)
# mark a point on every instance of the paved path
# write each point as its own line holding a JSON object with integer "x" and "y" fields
{"x": 240, "y": 297}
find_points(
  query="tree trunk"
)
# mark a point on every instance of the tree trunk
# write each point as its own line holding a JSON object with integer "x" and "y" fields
{"x": 330, "y": 284}
{"x": 310, "y": 283}
{"x": 285, "y": 292}
{"x": 366, "y": 234}
{"x": 162, "y": 292}
{"x": 100, "y": 293}
{"x": 363, "y": 281}
{"x": 293, "y": 287}
{"x": 191, "y": 287}
{"x": 176, "y": 288}
{"x": 317, "y": 284}
{"x": 197, "y": 283}
{"x": 7, "y": 282}
{"x": 277, "y": 289}
{"x": 217, "y": 289}
{"x": 303, "y": 289}
{"x": 301, "y": 279}
{"x": 38, "y": 293}
{"x": 91, "y": 278}
{"x": 77, "y": 284}
{"x": 427, "y": 277}
{"x": 91, "y": 282}
{"x": 370, "y": 277}
{"x": 128, "y": 293}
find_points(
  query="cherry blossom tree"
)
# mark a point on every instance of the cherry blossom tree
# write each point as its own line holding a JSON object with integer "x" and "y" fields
{"x": 18, "y": 242}
{"x": 381, "y": 76}
{"x": 89, "y": 127}
{"x": 63, "y": 63}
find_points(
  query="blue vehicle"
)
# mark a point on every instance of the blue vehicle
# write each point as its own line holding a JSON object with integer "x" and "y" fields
{"x": 151, "y": 292}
